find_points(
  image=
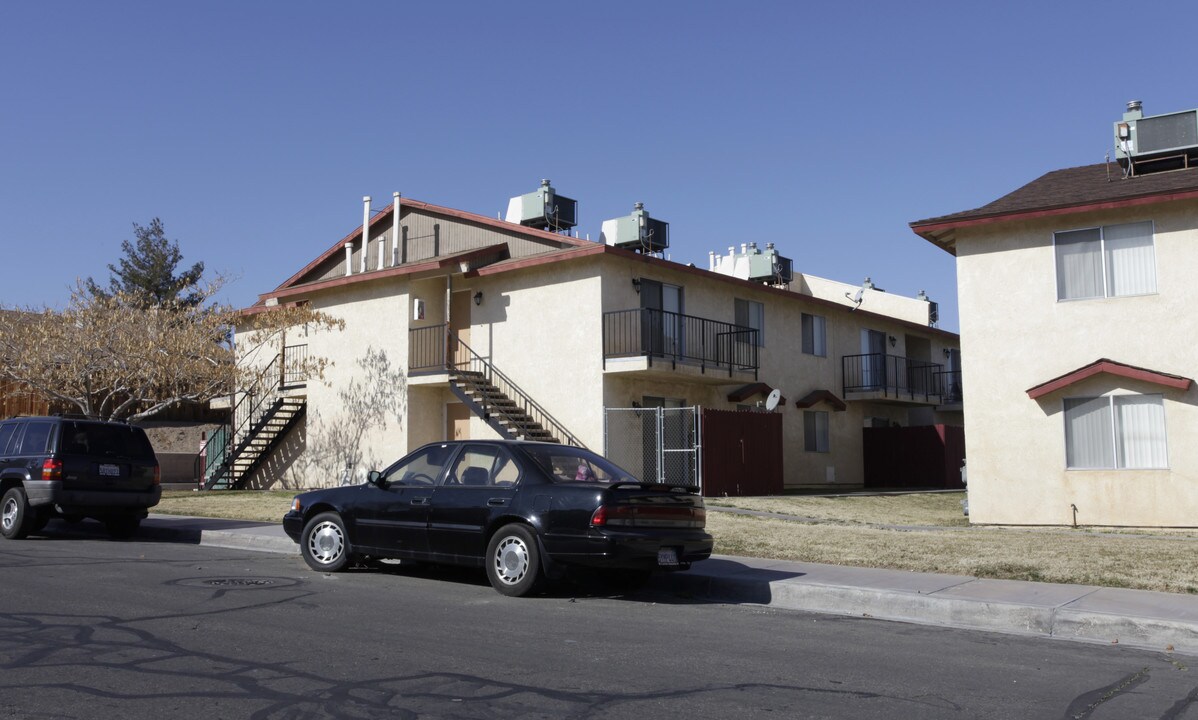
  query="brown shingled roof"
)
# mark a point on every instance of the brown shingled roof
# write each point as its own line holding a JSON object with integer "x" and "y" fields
{"x": 1090, "y": 187}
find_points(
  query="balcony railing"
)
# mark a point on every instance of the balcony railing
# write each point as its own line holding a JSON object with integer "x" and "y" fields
{"x": 426, "y": 348}
{"x": 671, "y": 337}
{"x": 892, "y": 376}
{"x": 948, "y": 384}
{"x": 295, "y": 361}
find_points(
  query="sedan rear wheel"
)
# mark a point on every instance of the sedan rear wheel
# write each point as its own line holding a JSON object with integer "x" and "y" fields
{"x": 324, "y": 544}
{"x": 513, "y": 561}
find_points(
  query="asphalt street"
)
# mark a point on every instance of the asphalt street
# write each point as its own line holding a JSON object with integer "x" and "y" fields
{"x": 93, "y": 628}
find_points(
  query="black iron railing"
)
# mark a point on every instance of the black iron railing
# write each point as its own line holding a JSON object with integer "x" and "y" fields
{"x": 295, "y": 366}
{"x": 948, "y": 384}
{"x": 436, "y": 348}
{"x": 892, "y": 376}
{"x": 426, "y": 348}
{"x": 678, "y": 338}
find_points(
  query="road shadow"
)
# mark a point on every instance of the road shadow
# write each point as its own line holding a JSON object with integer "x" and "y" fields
{"x": 710, "y": 582}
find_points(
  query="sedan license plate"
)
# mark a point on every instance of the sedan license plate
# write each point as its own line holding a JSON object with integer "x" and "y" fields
{"x": 110, "y": 471}
{"x": 667, "y": 556}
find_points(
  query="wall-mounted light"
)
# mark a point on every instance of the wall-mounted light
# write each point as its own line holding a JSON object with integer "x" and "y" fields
{"x": 636, "y": 285}
{"x": 893, "y": 340}
{"x": 478, "y": 298}
{"x": 947, "y": 352}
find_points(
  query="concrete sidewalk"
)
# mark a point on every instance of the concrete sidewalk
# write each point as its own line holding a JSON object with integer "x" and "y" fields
{"x": 1137, "y": 618}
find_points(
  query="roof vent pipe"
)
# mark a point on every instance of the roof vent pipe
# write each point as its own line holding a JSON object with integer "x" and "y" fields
{"x": 365, "y": 229}
{"x": 395, "y": 228}
{"x": 1135, "y": 110}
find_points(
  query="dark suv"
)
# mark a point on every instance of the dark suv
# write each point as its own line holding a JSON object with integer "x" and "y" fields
{"x": 75, "y": 468}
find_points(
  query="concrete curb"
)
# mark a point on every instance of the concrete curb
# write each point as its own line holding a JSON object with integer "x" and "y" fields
{"x": 1158, "y": 621}
{"x": 1148, "y": 620}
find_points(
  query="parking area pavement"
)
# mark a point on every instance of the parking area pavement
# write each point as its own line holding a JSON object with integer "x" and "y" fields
{"x": 1167, "y": 622}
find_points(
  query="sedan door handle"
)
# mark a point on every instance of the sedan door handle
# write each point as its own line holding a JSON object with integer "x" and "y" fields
{"x": 496, "y": 502}
{"x": 420, "y": 501}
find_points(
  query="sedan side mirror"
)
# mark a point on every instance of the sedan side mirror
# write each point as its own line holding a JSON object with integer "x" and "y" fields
{"x": 374, "y": 477}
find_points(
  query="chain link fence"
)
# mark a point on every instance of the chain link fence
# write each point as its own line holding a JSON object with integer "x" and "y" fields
{"x": 659, "y": 445}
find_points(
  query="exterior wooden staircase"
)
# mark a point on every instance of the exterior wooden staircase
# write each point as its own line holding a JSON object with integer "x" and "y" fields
{"x": 495, "y": 398}
{"x": 499, "y": 411}
{"x": 260, "y": 420}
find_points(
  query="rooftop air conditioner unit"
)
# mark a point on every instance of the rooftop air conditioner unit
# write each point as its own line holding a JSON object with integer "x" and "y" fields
{"x": 637, "y": 232}
{"x": 1157, "y": 142}
{"x": 543, "y": 209}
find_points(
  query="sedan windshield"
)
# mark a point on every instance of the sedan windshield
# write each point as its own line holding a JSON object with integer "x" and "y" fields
{"x": 571, "y": 464}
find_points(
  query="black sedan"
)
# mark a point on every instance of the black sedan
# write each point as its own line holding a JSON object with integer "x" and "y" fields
{"x": 522, "y": 510}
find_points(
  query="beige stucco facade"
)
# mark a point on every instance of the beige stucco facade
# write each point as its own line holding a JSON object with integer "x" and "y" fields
{"x": 1017, "y": 335}
{"x": 536, "y": 313}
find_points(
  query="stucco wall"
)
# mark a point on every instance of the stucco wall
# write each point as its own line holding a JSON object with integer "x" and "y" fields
{"x": 1016, "y": 335}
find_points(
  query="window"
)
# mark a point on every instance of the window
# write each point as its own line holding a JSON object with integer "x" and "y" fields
{"x": 482, "y": 465}
{"x": 36, "y": 439}
{"x": 1119, "y": 431}
{"x": 421, "y": 469}
{"x": 814, "y": 335}
{"x": 1110, "y": 261}
{"x": 6, "y": 433}
{"x": 815, "y": 431}
{"x": 752, "y": 315}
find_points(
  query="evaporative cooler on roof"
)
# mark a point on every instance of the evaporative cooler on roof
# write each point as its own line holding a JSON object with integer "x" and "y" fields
{"x": 543, "y": 209}
{"x": 1156, "y": 142}
{"x": 637, "y": 232}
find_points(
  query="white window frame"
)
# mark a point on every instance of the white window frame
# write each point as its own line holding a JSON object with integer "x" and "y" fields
{"x": 1103, "y": 261}
{"x": 819, "y": 335}
{"x": 1117, "y": 437}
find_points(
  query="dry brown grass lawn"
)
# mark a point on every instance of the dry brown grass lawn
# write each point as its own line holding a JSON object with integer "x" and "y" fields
{"x": 1063, "y": 556}
{"x": 941, "y": 509}
{"x": 848, "y": 533}
{"x": 269, "y": 506}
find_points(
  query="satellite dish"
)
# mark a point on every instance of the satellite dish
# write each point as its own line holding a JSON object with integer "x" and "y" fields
{"x": 771, "y": 402}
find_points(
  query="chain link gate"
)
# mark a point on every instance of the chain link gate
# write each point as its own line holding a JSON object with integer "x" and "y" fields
{"x": 659, "y": 445}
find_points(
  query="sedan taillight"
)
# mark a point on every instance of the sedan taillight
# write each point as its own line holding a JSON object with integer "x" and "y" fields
{"x": 51, "y": 469}
{"x": 649, "y": 516}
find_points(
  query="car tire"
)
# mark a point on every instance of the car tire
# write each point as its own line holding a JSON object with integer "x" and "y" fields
{"x": 325, "y": 544}
{"x": 122, "y": 528}
{"x": 513, "y": 560}
{"x": 16, "y": 519}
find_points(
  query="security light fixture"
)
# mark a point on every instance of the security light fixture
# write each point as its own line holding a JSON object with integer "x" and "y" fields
{"x": 478, "y": 298}
{"x": 636, "y": 285}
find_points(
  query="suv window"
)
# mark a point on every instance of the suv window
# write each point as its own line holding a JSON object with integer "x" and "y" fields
{"x": 36, "y": 438}
{"x": 84, "y": 438}
{"x": 6, "y": 433}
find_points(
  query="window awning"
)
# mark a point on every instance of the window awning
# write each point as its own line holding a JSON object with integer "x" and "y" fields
{"x": 1110, "y": 367}
{"x": 747, "y": 391}
{"x": 818, "y": 396}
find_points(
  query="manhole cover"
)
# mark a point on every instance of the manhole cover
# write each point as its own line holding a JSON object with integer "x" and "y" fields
{"x": 237, "y": 583}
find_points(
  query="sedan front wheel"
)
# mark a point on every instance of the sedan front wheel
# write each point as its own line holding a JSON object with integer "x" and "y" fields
{"x": 324, "y": 544}
{"x": 513, "y": 561}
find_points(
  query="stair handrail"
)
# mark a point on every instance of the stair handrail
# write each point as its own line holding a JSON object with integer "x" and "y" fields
{"x": 491, "y": 373}
{"x": 245, "y": 413}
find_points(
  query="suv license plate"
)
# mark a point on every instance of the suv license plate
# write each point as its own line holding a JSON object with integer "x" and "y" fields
{"x": 110, "y": 471}
{"x": 667, "y": 556}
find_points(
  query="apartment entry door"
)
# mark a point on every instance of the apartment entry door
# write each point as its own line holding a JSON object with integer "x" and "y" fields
{"x": 459, "y": 327}
{"x": 457, "y": 421}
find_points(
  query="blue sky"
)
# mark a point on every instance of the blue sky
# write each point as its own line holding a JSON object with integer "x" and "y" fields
{"x": 253, "y": 129}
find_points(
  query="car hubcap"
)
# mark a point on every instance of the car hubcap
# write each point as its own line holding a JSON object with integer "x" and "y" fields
{"x": 326, "y": 542}
{"x": 10, "y": 514}
{"x": 511, "y": 560}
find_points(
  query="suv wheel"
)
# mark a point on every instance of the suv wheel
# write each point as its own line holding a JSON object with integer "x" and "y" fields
{"x": 15, "y": 519}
